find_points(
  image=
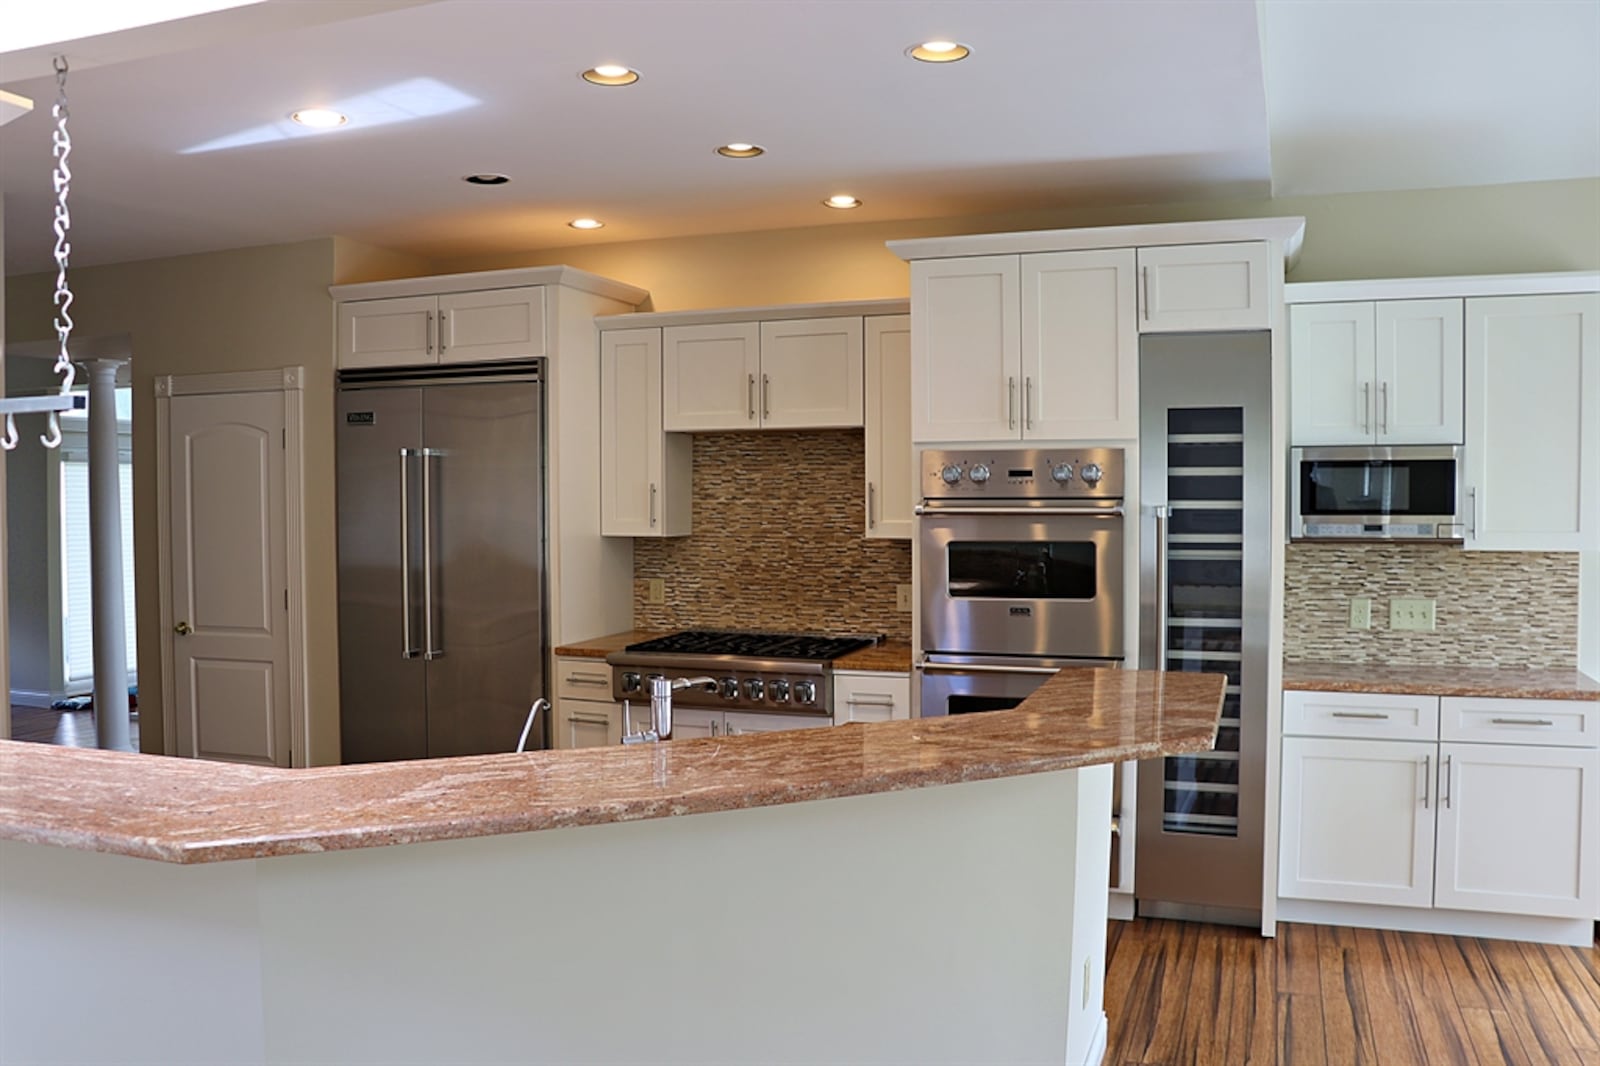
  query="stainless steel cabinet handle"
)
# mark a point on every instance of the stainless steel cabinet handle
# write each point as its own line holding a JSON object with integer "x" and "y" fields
{"x": 750, "y": 389}
{"x": 766, "y": 398}
{"x": 1446, "y": 786}
{"x": 1011, "y": 402}
{"x": 713, "y": 727}
{"x": 588, "y": 719}
{"x": 652, "y": 503}
{"x": 1521, "y": 721}
{"x": 870, "y": 701}
{"x": 1163, "y": 514}
{"x": 872, "y": 491}
{"x": 953, "y": 668}
{"x": 432, "y": 649}
{"x": 1472, "y": 511}
{"x": 1366, "y": 407}
{"x": 1027, "y": 400}
{"x": 1037, "y": 512}
{"x": 1427, "y": 778}
{"x": 430, "y": 332}
{"x": 1144, "y": 284}
{"x": 407, "y": 649}
{"x": 1377, "y": 715}
{"x": 444, "y": 330}
{"x": 579, "y": 679}
{"x": 1383, "y": 407}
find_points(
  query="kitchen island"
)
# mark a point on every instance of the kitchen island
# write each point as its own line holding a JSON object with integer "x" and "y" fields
{"x": 925, "y": 890}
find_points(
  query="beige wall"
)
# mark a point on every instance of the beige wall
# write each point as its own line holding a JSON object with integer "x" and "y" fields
{"x": 250, "y": 309}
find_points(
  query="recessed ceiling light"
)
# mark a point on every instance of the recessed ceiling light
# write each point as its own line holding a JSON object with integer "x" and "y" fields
{"x": 841, "y": 201}
{"x": 938, "y": 51}
{"x": 586, "y": 223}
{"x": 486, "y": 179}
{"x": 319, "y": 118}
{"x": 740, "y": 150}
{"x": 610, "y": 74}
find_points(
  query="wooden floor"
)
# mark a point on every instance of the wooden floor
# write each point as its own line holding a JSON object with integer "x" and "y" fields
{"x": 72, "y": 729}
{"x": 1187, "y": 994}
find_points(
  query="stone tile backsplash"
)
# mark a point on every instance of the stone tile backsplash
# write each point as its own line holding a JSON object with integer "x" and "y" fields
{"x": 777, "y": 542}
{"x": 1505, "y": 609}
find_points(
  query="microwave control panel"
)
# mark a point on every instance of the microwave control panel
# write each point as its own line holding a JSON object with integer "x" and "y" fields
{"x": 1022, "y": 473}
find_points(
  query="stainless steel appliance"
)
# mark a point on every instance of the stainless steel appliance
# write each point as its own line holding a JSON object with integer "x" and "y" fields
{"x": 1404, "y": 492}
{"x": 1021, "y": 571}
{"x": 1205, "y": 478}
{"x": 774, "y": 673}
{"x": 441, "y": 559}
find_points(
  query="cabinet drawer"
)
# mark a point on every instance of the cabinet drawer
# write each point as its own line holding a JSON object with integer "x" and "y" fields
{"x": 1551, "y": 723}
{"x": 583, "y": 679}
{"x": 871, "y": 697}
{"x": 1376, "y": 715}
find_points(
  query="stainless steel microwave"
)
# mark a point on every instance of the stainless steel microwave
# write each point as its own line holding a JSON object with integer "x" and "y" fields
{"x": 1355, "y": 492}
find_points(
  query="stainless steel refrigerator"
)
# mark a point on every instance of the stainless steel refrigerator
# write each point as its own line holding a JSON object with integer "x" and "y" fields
{"x": 1205, "y": 470}
{"x": 442, "y": 598}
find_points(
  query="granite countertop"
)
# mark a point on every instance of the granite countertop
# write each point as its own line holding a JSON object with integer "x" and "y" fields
{"x": 186, "y": 811}
{"x": 1441, "y": 681}
{"x": 600, "y": 647}
{"x": 892, "y": 656}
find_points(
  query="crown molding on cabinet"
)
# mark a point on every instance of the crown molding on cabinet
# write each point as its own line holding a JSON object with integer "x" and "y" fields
{"x": 483, "y": 280}
{"x": 1288, "y": 232}
{"x": 774, "y": 312}
{"x": 1314, "y": 292}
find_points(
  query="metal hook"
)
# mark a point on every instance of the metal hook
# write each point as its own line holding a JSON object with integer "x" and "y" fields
{"x": 53, "y": 438}
{"x": 9, "y": 441}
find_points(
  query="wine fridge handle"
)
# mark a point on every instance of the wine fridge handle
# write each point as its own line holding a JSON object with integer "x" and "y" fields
{"x": 1163, "y": 514}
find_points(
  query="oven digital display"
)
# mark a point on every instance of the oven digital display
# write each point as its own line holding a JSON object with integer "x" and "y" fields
{"x": 1020, "y": 474}
{"x": 1022, "y": 570}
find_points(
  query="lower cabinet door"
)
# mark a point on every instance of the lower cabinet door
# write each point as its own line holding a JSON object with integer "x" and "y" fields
{"x": 1357, "y": 821}
{"x": 587, "y": 723}
{"x": 772, "y": 723}
{"x": 689, "y": 724}
{"x": 1519, "y": 830}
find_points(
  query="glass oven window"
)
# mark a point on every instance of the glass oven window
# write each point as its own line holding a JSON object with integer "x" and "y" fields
{"x": 1022, "y": 570}
{"x": 1378, "y": 487}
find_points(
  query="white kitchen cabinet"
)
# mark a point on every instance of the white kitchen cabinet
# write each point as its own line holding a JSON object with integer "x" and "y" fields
{"x": 457, "y": 327}
{"x": 1376, "y": 372}
{"x": 887, "y": 417}
{"x": 792, "y": 374}
{"x": 644, "y": 473}
{"x": 1194, "y": 287}
{"x": 691, "y": 723}
{"x": 967, "y": 351}
{"x": 1532, "y": 452}
{"x": 870, "y": 696}
{"x": 584, "y": 714}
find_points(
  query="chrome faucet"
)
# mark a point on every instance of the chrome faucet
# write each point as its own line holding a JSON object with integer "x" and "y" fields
{"x": 661, "y": 690}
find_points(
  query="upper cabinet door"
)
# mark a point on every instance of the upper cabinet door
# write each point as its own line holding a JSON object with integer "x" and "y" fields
{"x": 1189, "y": 287}
{"x": 1080, "y": 346}
{"x": 394, "y": 332}
{"x": 1532, "y": 450}
{"x": 1331, "y": 372}
{"x": 888, "y": 421}
{"x": 493, "y": 324}
{"x": 710, "y": 377}
{"x": 966, "y": 349}
{"x": 1419, "y": 372}
{"x": 630, "y": 432}
{"x": 811, "y": 373}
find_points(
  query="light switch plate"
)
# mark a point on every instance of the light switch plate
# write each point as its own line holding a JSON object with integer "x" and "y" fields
{"x": 656, "y": 590}
{"x": 902, "y": 597}
{"x": 1361, "y": 612}
{"x": 1410, "y": 614}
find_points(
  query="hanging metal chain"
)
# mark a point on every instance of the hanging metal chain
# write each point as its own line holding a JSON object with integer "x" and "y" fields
{"x": 62, "y": 141}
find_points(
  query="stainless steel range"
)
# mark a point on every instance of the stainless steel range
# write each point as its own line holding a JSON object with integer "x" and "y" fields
{"x": 789, "y": 673}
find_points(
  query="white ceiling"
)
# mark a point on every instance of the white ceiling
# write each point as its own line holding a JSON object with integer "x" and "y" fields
{"x": 1063, "y": 102}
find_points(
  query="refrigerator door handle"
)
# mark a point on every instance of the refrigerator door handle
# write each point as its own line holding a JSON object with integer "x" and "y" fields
{"x": 432, "y": 648}
{"x": 408, "y": 650}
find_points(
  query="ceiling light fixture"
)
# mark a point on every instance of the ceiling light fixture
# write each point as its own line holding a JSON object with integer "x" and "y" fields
{"x": 485, "y": 179}
{"x": 841, "y": 201}
{"x": 741, "y": 150}
{"x": 938, "y": 51}
{"x": 319, "y": 118}
{"x": 586, "y": 223}
{"x": 610, "y": 74}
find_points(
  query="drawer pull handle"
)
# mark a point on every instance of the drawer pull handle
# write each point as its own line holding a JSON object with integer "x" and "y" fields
{"x": 579, "y": 679}
{"x": 588, "y": 719}
{"x": 1521, "y": 721}
{"x": 1376, "y": 715}
{"x": 870, "y": 701}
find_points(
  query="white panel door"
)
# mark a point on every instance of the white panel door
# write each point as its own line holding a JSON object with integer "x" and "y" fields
{"x": 493, "y": 324}
{"x": 229, "y": 584}
{"x": 630, "y": 432}
{"x": 587, "y": 724}
{"x": 1533, "y": 422}
{"x": 1519, "y": 830}
{"x": 890, "y": 481}
{"x": 1080, "y": 346}
{"x": 1332, "y": 360}
{"x": 1205, "y": 287}
{"x": 1420, "y": 372}
{"x": 1357, "y": 823}
{"x": 709, "y": 377}
{"x": 811, "y": 373}
{"x": 395, "y": 332}
{"x": 966, "y": 348}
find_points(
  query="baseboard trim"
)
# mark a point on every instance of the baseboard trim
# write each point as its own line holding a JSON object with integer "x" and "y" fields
{"x": 1119, "y": 906}
{"x": 1097, "y": 1046}
{"x": 1572, "y": 932}
{"x": 26, "y": 698}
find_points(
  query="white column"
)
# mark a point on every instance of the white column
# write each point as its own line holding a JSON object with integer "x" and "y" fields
{"x": 105, "y": 560}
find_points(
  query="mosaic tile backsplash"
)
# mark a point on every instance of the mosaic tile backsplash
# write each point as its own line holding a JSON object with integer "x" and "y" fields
{"x": 1504, "y": 609}
{"x": 777, "y": 542}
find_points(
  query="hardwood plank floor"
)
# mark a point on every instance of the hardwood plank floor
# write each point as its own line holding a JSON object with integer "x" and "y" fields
{"x": 72, "y": 729}
{"x": 1189, "y": 994}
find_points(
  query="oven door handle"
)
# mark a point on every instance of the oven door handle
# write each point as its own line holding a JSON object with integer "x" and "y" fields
{"x": 970, "y": 668}
{"x": 1034, "y": 512}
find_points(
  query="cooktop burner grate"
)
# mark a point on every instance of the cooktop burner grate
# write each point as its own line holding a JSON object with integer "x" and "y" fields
{"x": 801, "y": 646}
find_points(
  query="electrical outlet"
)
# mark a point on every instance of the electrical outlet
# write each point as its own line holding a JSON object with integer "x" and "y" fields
{"x": 656, "y": 590}
{"x": 1361, "y": 612}
{"x": 1410, "y": 614}
{"x": 902, "y": 597}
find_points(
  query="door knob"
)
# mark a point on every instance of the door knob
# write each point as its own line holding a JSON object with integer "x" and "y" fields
{"x": 183, "y": 629}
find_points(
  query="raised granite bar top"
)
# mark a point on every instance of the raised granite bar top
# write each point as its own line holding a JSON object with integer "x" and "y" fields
{"x": 1479, "y": 681}
{"x": 186, "y": 811}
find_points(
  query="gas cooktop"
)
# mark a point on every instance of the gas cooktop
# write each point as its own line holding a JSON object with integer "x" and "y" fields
{"x": 786, "y": 672}
{"x": 800, "y": 646}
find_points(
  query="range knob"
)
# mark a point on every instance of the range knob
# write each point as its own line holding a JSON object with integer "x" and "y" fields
{"x": 1091, "y": 474}
{"x": 805, "y": 692}
{"x": 979, "y": 474}
{"x": 1061, "y": 473}
{"x": 754, "y": 689}
{"x": 778, "y": 691}
{"x": 632, "y": 682}
{"x": 951, "y": 474}
{"x": 729, "y": 687}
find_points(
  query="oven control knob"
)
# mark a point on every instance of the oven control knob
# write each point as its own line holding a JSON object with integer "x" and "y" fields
{"x": 805, "y": 692}
{"x": 632, "y": 682}
{"x": 1092, "y": 474}
{"x": 979, "y": 474}
{"x": 1061, "y": 473}
{"x": 951, "y": 474}
{"x": 729, "y": 687}
{"x": 753, "y": 690}
{"x": 778, "y": 690}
